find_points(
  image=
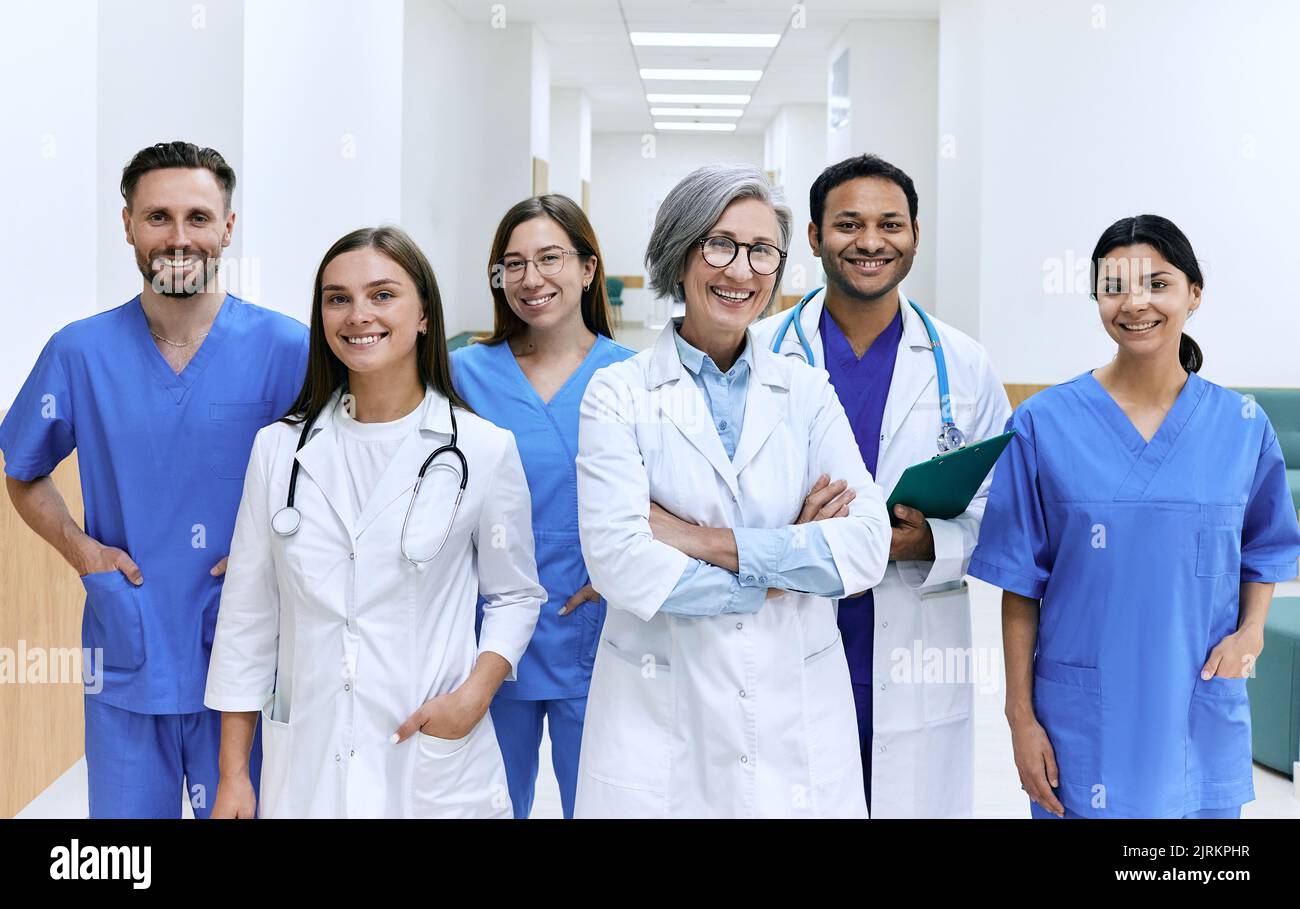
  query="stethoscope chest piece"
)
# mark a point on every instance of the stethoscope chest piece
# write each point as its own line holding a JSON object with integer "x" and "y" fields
{"x": 951, "y": 438}
{"x": 286, "y": 521}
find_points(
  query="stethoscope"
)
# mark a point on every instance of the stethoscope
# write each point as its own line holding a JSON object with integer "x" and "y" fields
{"x": 950, "y": 437}
{"x": 288, "y": 519}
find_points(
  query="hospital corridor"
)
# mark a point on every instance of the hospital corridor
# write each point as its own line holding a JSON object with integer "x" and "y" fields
{"x": 588, "y": 410}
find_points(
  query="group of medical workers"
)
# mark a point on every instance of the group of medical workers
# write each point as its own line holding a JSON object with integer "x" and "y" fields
{"x": 334, "y": 571}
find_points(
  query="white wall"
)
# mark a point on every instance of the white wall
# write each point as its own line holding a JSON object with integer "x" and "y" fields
{"x": 959, "y": 242}
{"x": 1051, "y": 123}
{"x": 322, "y": 134}
{"x": 894, "y": 96}
{"x": 437, "y": 104}
{"x": 628, "y": 183}
{"x": 570, "y": 159}
{"x": 1190, "y": 115}
{"x": 142, "y": 100}
{"x": 49, "y": 234}
{"x": 500, "y": 135}
{"x": 796, "y": 142}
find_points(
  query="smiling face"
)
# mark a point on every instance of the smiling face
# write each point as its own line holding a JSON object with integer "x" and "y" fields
{"x": 544, "y": 301}
{"x": 867, "y": 240}
{"x": 371, "y": 311}
{"x": 722, "y": 302}
{"x": 1143, "y": 300}
{"x": 178, "y": 223}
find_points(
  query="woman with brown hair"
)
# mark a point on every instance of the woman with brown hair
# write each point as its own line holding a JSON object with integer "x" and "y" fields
{"x": 374, "y": 516}
{"x": 552, "y": 333}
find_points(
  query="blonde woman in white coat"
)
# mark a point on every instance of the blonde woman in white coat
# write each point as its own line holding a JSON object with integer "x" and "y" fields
{"x": 721, "y": 687}
{"x": 347, "y": 618}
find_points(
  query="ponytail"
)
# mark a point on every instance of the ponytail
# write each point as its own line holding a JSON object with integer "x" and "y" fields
{"x": 1189, "y": 354}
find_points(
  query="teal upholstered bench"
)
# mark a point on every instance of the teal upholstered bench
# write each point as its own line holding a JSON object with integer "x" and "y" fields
{"x": 455, "y": 342}
{"x": 1283, "y": 408}
{"x": 1275, "y": 689}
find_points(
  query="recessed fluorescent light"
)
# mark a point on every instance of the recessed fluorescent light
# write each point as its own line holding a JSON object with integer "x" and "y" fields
{"x": 704, "y": 75}
{"x": 659, "y": 98}
{"x": 696, "y": 112}
{"x": 702, "y": 39}
{"x": 714, "y": 127}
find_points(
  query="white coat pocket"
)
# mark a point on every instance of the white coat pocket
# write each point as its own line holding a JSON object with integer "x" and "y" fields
{"x": 273, "y": 788}
{"x": 625, "y": 740}
{"x": 831, "y": 716}
{"x": 459, "y": 778}
{"x": 946, "y": 640}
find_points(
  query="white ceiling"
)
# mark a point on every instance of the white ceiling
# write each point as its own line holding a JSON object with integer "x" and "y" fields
{"x": 590, "y": 49}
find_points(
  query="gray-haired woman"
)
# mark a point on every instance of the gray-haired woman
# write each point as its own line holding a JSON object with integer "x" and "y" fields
{"x": 721, "y": 687}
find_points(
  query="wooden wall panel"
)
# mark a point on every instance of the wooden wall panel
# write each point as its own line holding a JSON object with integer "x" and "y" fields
{"x": 1019, "y": 393}
{"x": 42, "y": 730}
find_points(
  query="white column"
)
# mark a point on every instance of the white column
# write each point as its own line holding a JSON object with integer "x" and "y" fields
{"x": 164, "y": 71}
{"x": 570, "y": 148}
{"x": 795, "y": 144}
{"x": 440, "y": 112}
{"x": 957, "y": 207}
{"x": 893, "y": 112}
{"x": 322, "y": 134}
{"x": 49, "y": 235}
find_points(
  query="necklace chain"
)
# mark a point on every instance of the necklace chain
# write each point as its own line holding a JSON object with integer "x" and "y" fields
{"x": 177, "y": 343}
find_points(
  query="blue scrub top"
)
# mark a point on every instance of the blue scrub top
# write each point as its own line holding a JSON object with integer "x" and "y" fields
{"x": 162, "y": 459}
{"x": 559, "y": 659}
{"x": 863, "y": 388}
{"x": 1137, "y": 551}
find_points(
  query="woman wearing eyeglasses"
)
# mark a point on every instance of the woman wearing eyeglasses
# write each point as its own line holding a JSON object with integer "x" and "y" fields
{"x": 551, "y": 334}
{"x": 721, "y": 687}
{"x": 374, "y": 516}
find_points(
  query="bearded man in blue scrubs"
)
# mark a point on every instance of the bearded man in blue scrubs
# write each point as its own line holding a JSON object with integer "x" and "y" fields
{"x": 161, "y": 397}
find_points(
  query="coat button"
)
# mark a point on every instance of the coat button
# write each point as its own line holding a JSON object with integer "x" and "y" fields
{"x": 352, "y": 555}
{"x": 742, "y": 692}
{"x": 744, "y": 759}
{"x": 884, "y": 624}
{"x": 347, "y": 687}
{"x": 740, "y": 625}
{"x": 338, "y": 757}
{"x": 883, "y": 686}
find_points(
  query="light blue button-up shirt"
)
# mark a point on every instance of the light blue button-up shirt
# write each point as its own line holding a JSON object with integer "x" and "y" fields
{"x": 795, "y": 557}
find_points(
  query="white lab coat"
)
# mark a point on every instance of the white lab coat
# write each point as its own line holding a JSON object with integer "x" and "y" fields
{"x": 922, "y": 731}
{"x": 736, "y": 715}
{"x": 337, "y": 639}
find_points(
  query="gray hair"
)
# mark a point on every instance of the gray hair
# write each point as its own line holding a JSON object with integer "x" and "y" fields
{"x": 692, "y": 207}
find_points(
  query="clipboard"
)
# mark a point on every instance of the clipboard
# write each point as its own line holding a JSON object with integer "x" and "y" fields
{"x": 943, "y": 486}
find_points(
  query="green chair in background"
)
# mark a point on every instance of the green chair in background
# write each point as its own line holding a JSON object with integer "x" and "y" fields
{"x": 1275, "y": 689}
{"x": 1283, "y": 408}
{"x": 615, "y": 288}
{"x": 455, "y": 342}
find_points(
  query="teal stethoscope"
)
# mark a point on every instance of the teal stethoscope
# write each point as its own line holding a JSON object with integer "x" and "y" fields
{"x": 950, "y": 437}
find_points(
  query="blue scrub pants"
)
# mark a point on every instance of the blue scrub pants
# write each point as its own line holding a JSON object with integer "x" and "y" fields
{"x": 140, "y": 765}
{"x": 519, "y": 733}
{"x": 1039, "y": 813}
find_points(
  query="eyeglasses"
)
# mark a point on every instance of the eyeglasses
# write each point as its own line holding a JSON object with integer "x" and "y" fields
{"x": 764, "y": 258}
{"x": 549, "y": 263}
